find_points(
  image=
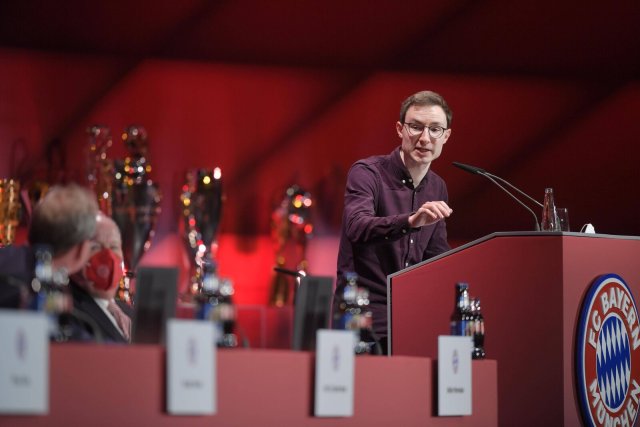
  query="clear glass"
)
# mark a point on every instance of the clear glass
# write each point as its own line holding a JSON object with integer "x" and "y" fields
{"x": 563, "y": 219}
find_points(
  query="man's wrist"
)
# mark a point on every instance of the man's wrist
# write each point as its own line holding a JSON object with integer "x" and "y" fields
{"x": 411, "y": 219}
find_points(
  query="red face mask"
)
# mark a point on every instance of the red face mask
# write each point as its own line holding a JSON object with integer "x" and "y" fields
{"x": 104, "y": 269}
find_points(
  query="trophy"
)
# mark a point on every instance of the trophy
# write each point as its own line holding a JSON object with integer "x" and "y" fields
{"x": 10, "y": 210}
{"x": 202, "y": 199}
{"x": 135, "y": 205}
{"x": 291, "y": 228}
{"x": 201, "y": 211}
{"x": 100, "y": 167}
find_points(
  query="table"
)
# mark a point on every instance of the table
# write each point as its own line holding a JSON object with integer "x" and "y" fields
{"x": 107, "y": 385}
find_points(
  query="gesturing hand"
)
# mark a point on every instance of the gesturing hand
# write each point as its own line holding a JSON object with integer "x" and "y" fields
{"x": 430, "y": 213}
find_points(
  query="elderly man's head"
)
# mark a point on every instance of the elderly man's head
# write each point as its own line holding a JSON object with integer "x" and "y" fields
{"x": 65, "y": 220}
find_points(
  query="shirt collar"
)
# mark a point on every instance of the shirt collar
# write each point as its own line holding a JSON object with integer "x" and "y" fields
{"x": 102, "y": 302}
{"x": 401, "y": 172}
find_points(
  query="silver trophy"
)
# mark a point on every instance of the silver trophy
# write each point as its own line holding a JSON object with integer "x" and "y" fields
{"x": 202, "y": 199}
{"x": 135, "y": 204}
{"x": 201, "y": 211}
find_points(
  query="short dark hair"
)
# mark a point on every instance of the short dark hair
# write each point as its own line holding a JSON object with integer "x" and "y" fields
{"x": 426, "y": 98}
{"x": 64, "y": 217}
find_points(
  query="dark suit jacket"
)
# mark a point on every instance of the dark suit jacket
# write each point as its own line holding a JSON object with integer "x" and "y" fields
{"x": 17, "y": 266}
{"x": 85, "y": 303}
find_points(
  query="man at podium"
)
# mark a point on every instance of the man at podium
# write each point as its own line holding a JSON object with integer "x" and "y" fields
{"x": 395, "y": 205}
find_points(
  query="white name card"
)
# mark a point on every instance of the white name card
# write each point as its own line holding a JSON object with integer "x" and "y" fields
{"x": 191, "y": 367}
{"x": 24, "y": 362}
{"x": 454, "y": 375}
{"x": 335, "y": 370}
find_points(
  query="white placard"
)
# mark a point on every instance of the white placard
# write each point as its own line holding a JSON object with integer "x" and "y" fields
{"x": 191, "y": 367}
{"x": 24, "y": 362}
{"x": 454, "y": 375}
{"x": 335, "y": 362}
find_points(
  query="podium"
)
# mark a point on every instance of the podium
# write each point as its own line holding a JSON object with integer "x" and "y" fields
{"x": 532, "y": 285}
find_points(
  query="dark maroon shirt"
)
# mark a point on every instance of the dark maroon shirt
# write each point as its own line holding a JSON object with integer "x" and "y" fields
{"x": 376, "y": 237}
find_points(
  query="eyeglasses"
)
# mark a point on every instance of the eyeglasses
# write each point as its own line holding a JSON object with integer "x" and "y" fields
{"x": 416, "y": 129}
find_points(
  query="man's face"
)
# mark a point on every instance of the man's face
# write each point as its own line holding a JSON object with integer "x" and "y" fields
{"x": 422, "y": 149}
{"x": 107, "y": 237}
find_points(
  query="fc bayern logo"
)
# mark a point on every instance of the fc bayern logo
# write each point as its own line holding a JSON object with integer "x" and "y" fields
{"x": 608, "y": 354}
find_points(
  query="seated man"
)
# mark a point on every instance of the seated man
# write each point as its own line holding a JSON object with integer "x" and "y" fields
{"x": 63, "y": 221}
{"x": 95, "y": 285}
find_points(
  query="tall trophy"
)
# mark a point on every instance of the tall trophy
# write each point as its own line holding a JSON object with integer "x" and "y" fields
{"x": 202, "y": 199}
{"x": 135, "y": 204}
{"x": 10, "y": 209}
{"x": 100, "y": 167}
{"x": 201, "y": 211}
{"x": 291, "y": 227}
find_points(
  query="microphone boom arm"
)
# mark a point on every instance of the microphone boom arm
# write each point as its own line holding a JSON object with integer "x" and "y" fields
{"x": 514, "y": 187}
{"x": 490, "y": 178}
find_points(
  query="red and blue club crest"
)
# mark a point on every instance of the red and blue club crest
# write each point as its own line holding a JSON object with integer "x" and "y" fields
{"x": 608, "y": 354}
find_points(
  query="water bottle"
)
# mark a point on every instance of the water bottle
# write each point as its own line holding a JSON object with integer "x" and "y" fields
{"x": 461, "y": 310}
{"x": 477, "y": 329}
{"x": 52, "y": 295}
{"x": 355, "y": 315}
{"x": 215, "y": 304}
{"x": 549, "y": 215}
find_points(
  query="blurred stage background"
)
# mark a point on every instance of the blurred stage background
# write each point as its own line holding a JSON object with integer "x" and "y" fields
{"x": 544, "y": 94}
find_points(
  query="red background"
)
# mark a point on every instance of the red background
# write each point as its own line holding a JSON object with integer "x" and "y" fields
{"x": 543, "y": 93}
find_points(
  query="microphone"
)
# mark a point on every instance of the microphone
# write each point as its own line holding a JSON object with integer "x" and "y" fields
{"x": 490, "y": 177}
{"x": 296, "y": 274}
{"x": 469, "y": 168}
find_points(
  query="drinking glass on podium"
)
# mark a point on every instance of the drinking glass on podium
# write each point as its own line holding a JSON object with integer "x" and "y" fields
{"x": 563, "y": 219}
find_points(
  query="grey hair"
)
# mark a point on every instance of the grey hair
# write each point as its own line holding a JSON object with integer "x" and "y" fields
{"x": 64, "y": 217}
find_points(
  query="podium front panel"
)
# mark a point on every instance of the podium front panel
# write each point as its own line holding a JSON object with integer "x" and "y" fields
{"x": 531, "y": 287}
